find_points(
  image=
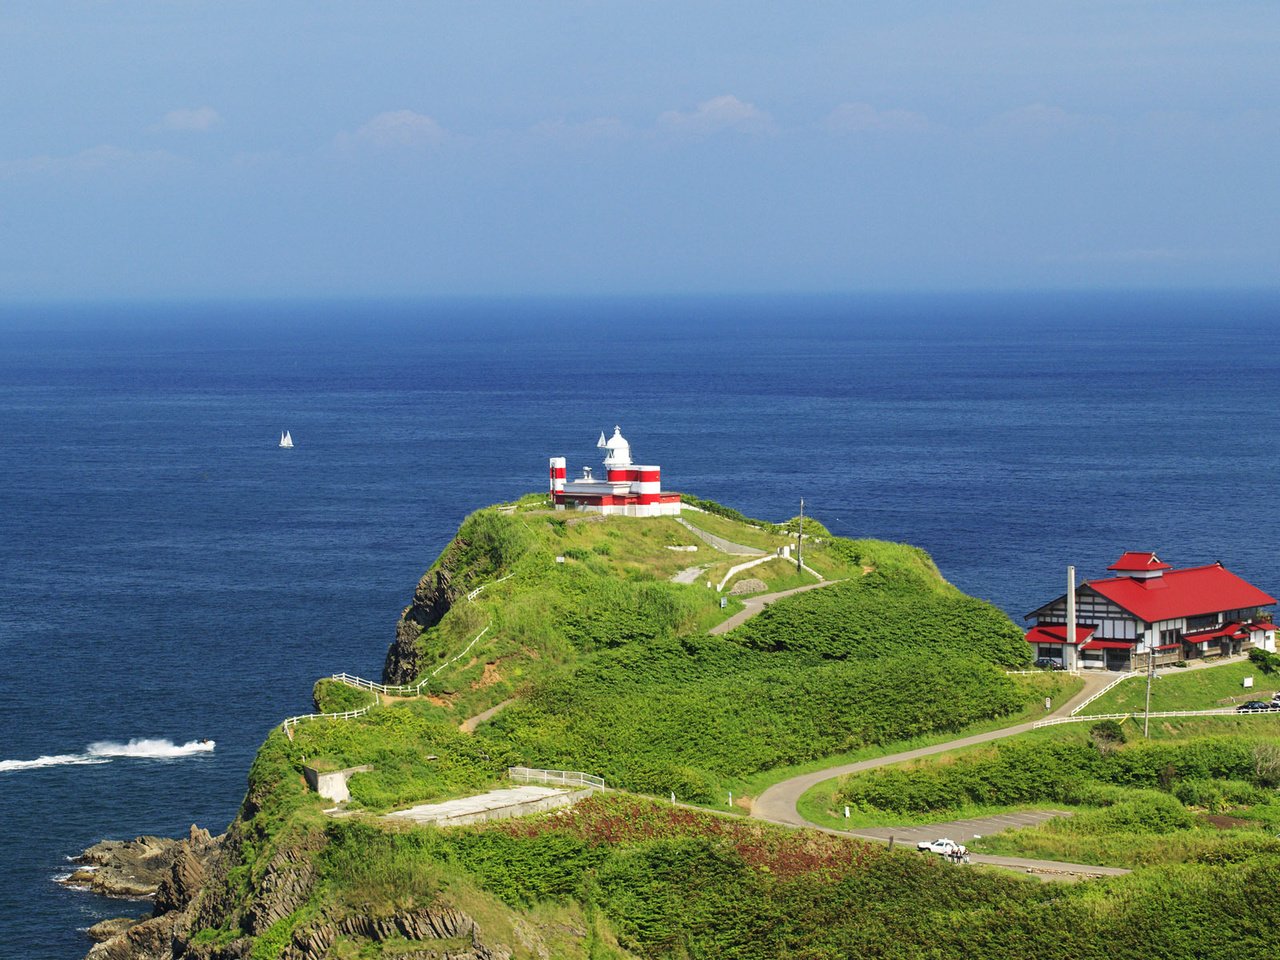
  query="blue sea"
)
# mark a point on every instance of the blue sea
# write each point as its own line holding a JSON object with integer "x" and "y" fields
{"x": 168, "y": 574}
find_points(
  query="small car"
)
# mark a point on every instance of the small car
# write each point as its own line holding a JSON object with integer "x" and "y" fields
{"x": 943, "y": 846}
{"x": 1049, "y": 663}
{"x": 1255, "y": 706}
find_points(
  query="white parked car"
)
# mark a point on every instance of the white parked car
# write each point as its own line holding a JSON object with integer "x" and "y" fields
{"x": 943, "y": 846}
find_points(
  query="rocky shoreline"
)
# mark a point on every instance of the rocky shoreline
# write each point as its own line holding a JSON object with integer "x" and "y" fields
{"x": 169, "y": 872}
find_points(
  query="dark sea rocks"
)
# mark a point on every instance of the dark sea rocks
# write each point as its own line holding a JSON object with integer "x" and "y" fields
{"x": 170, "y": 871}
{"x": 104, "y": 930}
{"x": 125, "y": 868}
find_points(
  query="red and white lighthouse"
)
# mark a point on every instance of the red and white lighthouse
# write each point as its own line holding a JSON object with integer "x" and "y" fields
{"x": 626, "y": 489}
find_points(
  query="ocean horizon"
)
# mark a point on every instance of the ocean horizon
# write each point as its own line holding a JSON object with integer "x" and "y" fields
{"x": 169, "y": 575}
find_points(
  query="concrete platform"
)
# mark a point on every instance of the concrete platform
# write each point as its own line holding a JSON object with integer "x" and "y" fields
{"x": 494, "y": 805}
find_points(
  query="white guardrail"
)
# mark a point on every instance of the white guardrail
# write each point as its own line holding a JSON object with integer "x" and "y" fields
{"x": 291, "y": 722}
{"x": 399, "y": 690}
{"x": 403, "y": 690}
{"x": 1218, "y": 712}
{"x": 1114, "y": 683}
{"x": 567, "y": 777}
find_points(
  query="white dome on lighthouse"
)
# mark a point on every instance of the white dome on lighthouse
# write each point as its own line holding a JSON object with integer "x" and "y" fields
{"x": 619, "y": 454}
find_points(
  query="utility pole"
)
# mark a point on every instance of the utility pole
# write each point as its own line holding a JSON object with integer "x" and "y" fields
{"x": 1151, "y": 669}
{"x": 800, "y": 540}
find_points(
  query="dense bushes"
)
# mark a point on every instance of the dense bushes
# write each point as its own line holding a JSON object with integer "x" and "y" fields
{"x": 1017, "y": 773}
{"x": 885, "y": 615}
{"x": 683, "y": 714}
{"x": 605, "y": 612}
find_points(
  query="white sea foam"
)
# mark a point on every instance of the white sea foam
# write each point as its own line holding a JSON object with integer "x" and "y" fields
{"x": 56, "y": 760}
{"x": 104, "y": 751}
{"x": 150, "y": 749}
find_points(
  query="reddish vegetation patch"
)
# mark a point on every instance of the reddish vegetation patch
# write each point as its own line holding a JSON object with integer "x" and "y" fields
{"x": 490, "y": 677}
{"x": 1226, "y": 823}
{"x": 623, "y": 820}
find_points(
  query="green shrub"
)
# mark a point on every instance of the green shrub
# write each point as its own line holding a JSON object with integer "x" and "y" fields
{"x": 681, "y": 714}
{"x": 1106, "y": 735}
{"x": 883, "y": 615}
{"x": 1265, "y": 661}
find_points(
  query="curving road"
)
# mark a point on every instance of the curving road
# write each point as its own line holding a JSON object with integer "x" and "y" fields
{"x": 777, "y": 804}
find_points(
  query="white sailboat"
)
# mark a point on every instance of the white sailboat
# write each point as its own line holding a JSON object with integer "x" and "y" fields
{"x": 286, "y": 441}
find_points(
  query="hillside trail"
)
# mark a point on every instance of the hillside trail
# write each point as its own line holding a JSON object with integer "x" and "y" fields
{"x": 753, "y": 605}
{"x": 777, "y": 804}
{"x": 720, "y": 543}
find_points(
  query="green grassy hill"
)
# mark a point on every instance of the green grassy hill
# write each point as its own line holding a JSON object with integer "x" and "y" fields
{"x": 1206, "y": 689}
{"x": 574, "y": 625}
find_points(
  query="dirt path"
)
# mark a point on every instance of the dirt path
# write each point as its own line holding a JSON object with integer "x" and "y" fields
{"x": 753, "y": 605}
{"x": 469, "y": 725}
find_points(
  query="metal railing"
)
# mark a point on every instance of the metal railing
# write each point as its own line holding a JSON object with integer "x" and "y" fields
{"x": 396, "y": 690}
{"x": 565, "y": 777}
{"x": 1216, "y": 712}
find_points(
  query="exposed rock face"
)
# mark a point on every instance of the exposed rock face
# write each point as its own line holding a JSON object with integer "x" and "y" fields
{"x": 106, "y": 929}
{"x": 172, "y": 871}
{"x": 285, "y": 885}
{"x": 430, "y": 923}
{"x": 126, "y": 868}
{"x": 750, "y": 585}
{"x": 187, "y": 874}
{"x": 149, "y": 940}
{"x": 435, "y": 595}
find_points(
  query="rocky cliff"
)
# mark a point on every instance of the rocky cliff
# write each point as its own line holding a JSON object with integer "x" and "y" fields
{"x": 435, "y": 595}
{"x": 195, "y": 893}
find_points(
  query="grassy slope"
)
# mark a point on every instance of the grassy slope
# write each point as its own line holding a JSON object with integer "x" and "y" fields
{"x": 1200, "y": 689}
{"x": 610, "y": 665}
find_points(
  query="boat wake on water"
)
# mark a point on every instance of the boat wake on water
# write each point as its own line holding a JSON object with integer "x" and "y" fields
{"x": 104, "y": 751}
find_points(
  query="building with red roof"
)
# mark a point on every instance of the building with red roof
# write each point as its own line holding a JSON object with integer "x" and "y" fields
{"x": 626, "y": 489}
{"x": 1149, "y": 609}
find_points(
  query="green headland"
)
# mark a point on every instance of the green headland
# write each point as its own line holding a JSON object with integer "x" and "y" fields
{"x": 574, "y": 642}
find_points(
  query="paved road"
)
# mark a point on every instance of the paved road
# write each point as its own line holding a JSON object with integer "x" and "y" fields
{"x": 961, "y": 831}
{"x": 720, "y": 543}
{"x": 753, "y": 605}
{"x": 689, "y": 574}
{"x": 778, "y": 803}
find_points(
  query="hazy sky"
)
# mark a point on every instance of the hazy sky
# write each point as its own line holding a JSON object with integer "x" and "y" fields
{"x": 167, "y": 148}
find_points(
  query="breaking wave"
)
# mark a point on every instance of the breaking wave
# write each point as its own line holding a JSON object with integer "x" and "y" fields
{"x": 104, "y": 751}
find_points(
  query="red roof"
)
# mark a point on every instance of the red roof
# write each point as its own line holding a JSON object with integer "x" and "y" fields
{"x": 1108, "y": 645}
{"x": 1226, "y": 630}
{"x": 1057, "y": 633}
{"x": 1131, "y": 561}
{"x": 1193, "y": 592}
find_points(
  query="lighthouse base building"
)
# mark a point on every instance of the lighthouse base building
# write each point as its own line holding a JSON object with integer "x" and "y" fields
{"x": 626, "y": 489}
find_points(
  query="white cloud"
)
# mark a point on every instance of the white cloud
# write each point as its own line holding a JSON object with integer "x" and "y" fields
{"x": 723, "y": 113}
{"x": 197, "y": 119}
{"x": 864, "y": 118}
{"x": 397, "y": 129}
{"x": 104, "y": 157}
